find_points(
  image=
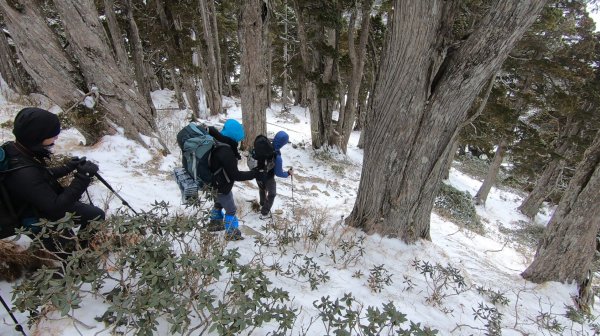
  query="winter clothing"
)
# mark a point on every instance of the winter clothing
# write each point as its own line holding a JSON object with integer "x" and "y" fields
{"x": 35, "y": 188}
{"x": 33, "y": 125}
{"x": 232, "y": 232}
{"x": 234, "y": 130}
{"x": 216, "y": 221}
{"x": 231, "y": 222}
{"x": 226, "y": 157}
{"x": 267, "y": 189}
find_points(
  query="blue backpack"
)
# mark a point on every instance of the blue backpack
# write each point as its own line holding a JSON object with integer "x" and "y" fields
{"x": 197, "y": 146}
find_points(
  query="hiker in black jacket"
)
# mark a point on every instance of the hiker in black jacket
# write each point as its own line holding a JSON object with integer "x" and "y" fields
{"x": 226, "y": 157}
{"x": 34, "y": 188}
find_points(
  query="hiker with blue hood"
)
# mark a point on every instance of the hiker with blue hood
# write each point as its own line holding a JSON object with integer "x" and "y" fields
{"x": 226, "y": 157}
{"x": 266, "y": 157}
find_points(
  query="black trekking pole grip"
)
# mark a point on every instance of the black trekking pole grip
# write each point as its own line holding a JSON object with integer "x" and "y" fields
{"x": 18, "y": 326}
{"x": 101, "y": 179}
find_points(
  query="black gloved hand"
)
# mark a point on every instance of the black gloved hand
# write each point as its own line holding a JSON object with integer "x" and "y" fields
{"x": 259, "y": 174}
{"x": 75, "y": 162}
{"x": 87, "y": 168}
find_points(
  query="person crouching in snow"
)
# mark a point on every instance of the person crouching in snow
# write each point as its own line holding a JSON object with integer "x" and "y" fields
{"x": 226, "y": 157}
{"x": 267, "y": 189}
{"x": 33, "y": 186}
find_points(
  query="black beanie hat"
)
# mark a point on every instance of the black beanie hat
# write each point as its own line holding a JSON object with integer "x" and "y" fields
{"x": 34, "y": 125}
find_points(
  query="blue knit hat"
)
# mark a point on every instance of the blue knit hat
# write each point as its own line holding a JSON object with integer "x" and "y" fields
{"x": 234, "y": 130}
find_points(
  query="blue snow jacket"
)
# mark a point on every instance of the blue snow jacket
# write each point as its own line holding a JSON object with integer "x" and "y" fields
{"x": 280, "y": 140}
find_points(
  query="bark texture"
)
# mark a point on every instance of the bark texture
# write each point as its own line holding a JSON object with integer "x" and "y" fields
{"x": 568, "y": 247}
{"x": 8, "y": 67}
{"x": 357, "y": 55}
{"x": 41, "y": 54}
{"x": 422, "y": 97}
{"x": 211, "y": 65}
{"x": 253, "y": 81}
{"x": 120, "y": 102}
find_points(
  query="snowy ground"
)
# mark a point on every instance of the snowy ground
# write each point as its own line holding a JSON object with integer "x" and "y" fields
{"x": 328, "y": 181}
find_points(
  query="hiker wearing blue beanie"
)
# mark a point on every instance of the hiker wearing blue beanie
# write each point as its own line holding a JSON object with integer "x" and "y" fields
{"x": 226, "y": 157}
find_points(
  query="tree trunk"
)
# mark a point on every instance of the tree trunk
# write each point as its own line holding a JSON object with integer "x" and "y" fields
{"x": 492, "y": 174}
{"x": 140, "y": 69}
{"x": 189, "y": 87}
{"x": 543, "y": 187}
{"x": 88, "y": 42}
{"x": 422, "y": 97}
{"x": 253, "y": 82}
{"x": 211, "y": 63}
{"x": 308, "y": 93}
{"x": 567, "y": 249}
{"x": 8, "y": 67}
{"x": 450, "y": 159}
{"x": 284, "y": 89}
{"x": 357, "y": 58}
{"x": 116, "y": 37}
{"x": 41, "y": 54}
{"x": 177, "y": 88}
{"x": 549, "y": 178}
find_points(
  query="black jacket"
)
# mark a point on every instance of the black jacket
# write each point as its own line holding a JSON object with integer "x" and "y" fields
{"x": 36, "y": 187}
{"x": 212, "y": 131}
{"x": 224, "y": 157}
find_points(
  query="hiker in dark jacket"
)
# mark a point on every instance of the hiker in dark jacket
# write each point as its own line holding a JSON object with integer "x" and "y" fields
{"x": 34, "y": 188}
{"x": 267, "y": 189}
{"x": 226, "y": 157}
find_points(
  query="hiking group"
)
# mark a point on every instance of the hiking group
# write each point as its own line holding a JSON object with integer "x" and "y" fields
{"x": 210, "y": 157}
{"x": 31, "y": 194}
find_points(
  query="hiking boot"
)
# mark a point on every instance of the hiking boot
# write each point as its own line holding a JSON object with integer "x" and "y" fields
{"x": 234, "y": 234}
{"x": 266, "y": 216}
{"x": 215, "y": 225}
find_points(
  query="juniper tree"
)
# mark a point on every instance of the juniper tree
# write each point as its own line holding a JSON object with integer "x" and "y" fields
{"x": 427, "y": 81}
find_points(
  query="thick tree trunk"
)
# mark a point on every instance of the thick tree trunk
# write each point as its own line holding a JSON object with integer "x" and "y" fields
{"x": 116, "y": 37}
{"x": 568, "y": 247}
{"x": 308, "y": 93}
{"x": 120, "y": 103}
{"x": 211, "y": 76}
{"x": 8, "y": 67}
{"x": 549, "y": 178}
{"x": 422, "y": 98}
{"x": 492, "y": 174}
{"x": 253, "y": 82}
{"x": 41, "y": 54}
{"x": 357, "y": 58}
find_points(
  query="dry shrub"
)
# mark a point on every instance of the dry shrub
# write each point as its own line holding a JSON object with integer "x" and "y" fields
{"x": 15, "y": 261}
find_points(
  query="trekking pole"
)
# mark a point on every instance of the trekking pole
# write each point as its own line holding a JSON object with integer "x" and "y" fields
{"x": 293, "y": 200}
{"x": 114, "y": 192}
{"x": 18, "y": 327}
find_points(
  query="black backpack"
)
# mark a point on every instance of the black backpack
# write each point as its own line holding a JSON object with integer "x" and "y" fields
{"x": 9, "y": 215}
{"x": 263, "y": 154}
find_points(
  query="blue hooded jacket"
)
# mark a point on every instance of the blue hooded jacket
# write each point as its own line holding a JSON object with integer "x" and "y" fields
{"x": 233, "y": 130}
{"x": 280, "y": 140}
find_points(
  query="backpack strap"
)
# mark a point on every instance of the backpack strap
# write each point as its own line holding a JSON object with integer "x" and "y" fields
{"x": 218, "y": 145}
